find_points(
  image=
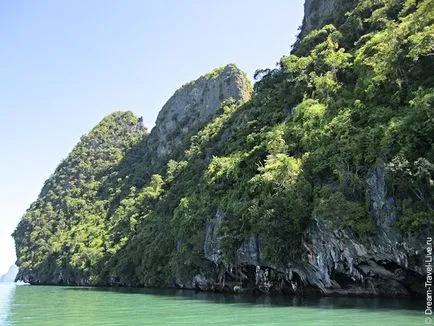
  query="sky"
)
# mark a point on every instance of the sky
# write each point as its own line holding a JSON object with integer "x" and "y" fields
{"x": 64, "y": 65}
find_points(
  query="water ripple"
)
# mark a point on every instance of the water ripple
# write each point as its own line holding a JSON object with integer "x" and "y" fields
{"x": 45, "y": 305}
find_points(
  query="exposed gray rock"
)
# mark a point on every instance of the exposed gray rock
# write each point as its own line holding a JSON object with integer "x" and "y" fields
{"x": 250, "y": 251}
{"x": 382, "y": 209}
{"x": 339, "y": 262}
{"x": 335, "y": 261}
{"x": 262, "y": 279}
{"x": 57, "y": 276}
{"x": 182, "y": 284}
{"x": 196, "y": 103}
{"x": 318, "y": 13}
{"x": 201, "y": 282}
{"x": 211, "y": 246}
{"x": 10, "y": 274}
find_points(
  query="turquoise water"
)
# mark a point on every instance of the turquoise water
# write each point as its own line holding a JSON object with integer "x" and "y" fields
{"x": 45, "y": 305}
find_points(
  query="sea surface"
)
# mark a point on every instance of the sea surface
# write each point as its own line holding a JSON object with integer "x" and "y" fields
{"x": 64, "y": 306}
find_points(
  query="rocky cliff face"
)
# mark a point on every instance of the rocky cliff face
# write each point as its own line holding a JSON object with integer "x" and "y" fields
{"x": 334, "y": 262}
{"x": 318, "y": 13}
{"x": 79, "y": 197}
{"x": 320, "y": 184}
{"x": 62, "y": 206}
{"x": 195, "y": 104}
{"x": 10, "y": 274}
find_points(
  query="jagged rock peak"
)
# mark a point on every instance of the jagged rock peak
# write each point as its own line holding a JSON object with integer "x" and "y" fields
{"x": 196, "y": 103}
{"x": 318, "y": 13}
{"x": 10, "y": 274}
{"x": 101, "y": 147}
{"x": 125, "y": 118}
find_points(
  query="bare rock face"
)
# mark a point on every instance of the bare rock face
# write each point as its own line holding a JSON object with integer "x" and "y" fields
{"x": 318, "y": 13}
{"x": 335, "y": 261}
{"x": 211, "y": 246}
{"x": 10, "y": 274}
{"x": 340, "y": 263}
{"x": 249, "y": 252}
{"x": 196, "y": 103}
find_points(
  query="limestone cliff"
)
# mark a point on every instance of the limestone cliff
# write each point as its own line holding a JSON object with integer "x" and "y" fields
{"x": 10, "y": 274}
{"x": 318, "y": 13}
{"x": 334, "y": 262}
{"x": 195, "y": 104}
{"x": 321, "y": 181}
{"x": 83, "y": 201}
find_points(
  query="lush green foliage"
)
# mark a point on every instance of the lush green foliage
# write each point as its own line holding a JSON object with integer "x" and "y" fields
{"x": 66, "y": 232}
{"x": 349, "y": 99}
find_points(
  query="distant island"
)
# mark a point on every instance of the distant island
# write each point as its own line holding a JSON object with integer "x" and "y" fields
{"x": 317, "y": 179}
{"x": 10, "y": 274}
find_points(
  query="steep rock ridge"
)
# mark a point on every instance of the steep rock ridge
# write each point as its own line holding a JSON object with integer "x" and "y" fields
{"x": 10, "y": 275}
{"x": 318, "y": 13}
{"x": 66, "y": 226}
{"x": 78, "y": 218}
{"x": 187, "y": 111}
{"x": 321, "y": 183}
{"x": 335, "y": 261}
{"x": 195, "y": 104}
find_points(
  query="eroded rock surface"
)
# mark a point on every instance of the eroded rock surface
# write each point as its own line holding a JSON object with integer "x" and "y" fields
{"x": 195, "y": 104}
{"x": 335, "y": 261}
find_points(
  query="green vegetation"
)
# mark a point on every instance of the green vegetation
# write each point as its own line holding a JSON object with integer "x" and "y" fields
{"x": 210, "y": 75}
{"x": 349, "y": 99}
{"x": 65, "y": 232}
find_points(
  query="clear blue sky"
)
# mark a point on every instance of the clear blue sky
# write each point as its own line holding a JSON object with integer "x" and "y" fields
{"x": 64, "y": 65}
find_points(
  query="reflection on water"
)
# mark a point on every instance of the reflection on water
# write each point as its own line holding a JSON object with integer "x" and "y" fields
{"x": 276, "y": 300}
{"x": 45, "y": 305}
{"x": 6, "y": 293}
